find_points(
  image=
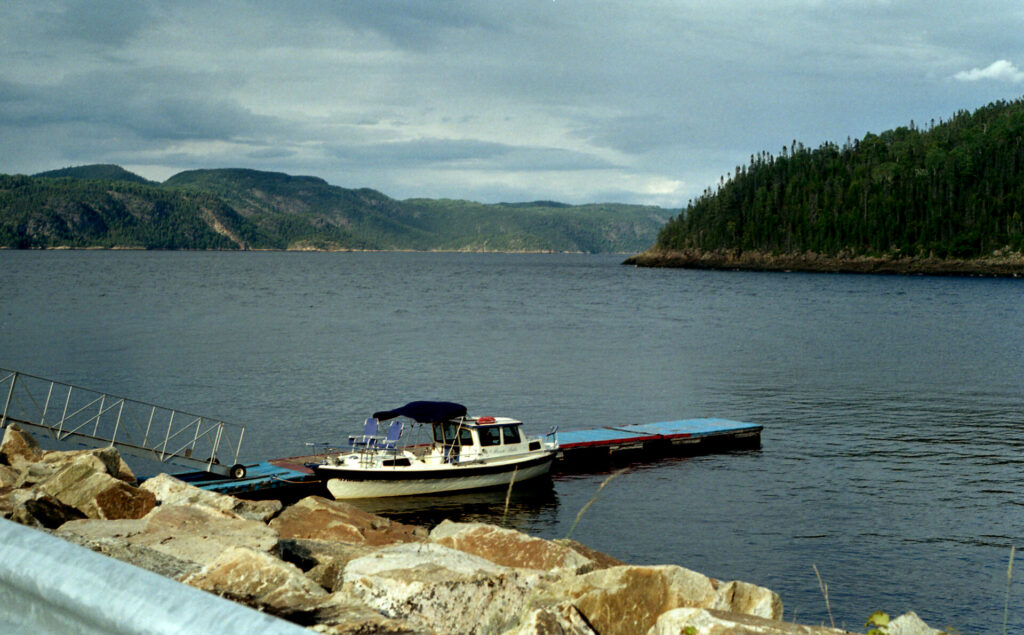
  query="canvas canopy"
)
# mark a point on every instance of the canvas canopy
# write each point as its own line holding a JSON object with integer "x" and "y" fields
{"x": 424, "y": 411}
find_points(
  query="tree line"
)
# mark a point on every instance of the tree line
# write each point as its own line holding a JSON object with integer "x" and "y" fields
{"x": 954, "y": 189}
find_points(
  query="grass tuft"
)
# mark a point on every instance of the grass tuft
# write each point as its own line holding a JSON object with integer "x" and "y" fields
{"x": 592, "y": 500}
{"x": 824, "y": 592}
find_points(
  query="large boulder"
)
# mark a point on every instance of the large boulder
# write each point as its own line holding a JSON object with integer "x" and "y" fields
{"x": 339, "y": 614}
{"x": 8, "y": 477}
{"x": 172, "y": 540}
{"x": 259, "y": 580}
{"x": 40, "y": 511}
{"x": 433, "y": 586}
{"x": 910, "y": 624}
{"x": 171, "y": 491}
{"x": 749, "y": 599}
{"x": 509, "y": 547}
{"x": 629, "y": 599}
{"x": 316, "y": 518}
{"x": 699, "y": 621}
{"x": 85, "y": 484}
{"x": 322, "y": 560}
{"x": 564, "y": 619}
{"x": 18, "y": 448}
{"x": 599, "y": 559}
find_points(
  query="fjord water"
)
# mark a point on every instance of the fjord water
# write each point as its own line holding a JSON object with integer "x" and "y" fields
{"x": 893, "y": 446}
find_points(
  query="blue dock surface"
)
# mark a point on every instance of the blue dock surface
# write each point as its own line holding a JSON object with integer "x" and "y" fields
{"x": 691, "y": 436}
{"x": 262, "y": 477}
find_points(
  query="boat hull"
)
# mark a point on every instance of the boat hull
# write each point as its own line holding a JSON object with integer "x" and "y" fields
{"x": 344, "y": 483}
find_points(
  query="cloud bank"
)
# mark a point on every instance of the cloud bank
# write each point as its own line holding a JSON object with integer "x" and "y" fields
{"x": 645, "y": 101}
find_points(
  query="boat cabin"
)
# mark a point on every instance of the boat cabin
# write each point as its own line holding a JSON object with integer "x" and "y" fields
{"x": 468, "y": 438}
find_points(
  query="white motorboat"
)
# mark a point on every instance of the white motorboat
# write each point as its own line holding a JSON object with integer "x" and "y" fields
{"x": 464, "y": 453}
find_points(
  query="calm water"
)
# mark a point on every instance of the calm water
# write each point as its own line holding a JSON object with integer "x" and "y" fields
{"x": 894, "y": 436}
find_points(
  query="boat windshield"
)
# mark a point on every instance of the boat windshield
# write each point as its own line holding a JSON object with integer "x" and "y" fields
{"x": 451, "y": 432}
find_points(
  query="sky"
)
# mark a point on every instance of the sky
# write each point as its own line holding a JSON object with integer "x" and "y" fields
{"x": 579, "y": 101}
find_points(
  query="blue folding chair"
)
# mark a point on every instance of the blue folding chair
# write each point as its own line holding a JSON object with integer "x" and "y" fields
{"x": 369, "y": 438}
{"x": 394, "y": 433}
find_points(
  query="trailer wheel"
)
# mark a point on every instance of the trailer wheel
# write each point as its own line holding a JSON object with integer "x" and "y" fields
{"x": 238, "y": 471}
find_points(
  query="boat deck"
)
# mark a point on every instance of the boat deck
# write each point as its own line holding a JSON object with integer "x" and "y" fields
{"x": 579, "y": 450}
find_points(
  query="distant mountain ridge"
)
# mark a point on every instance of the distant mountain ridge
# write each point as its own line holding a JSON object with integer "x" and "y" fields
{"x": 99, "y": 171}
{"x": 107, "y": 206}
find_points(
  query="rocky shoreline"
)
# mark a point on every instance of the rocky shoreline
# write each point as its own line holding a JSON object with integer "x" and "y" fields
{"x": 1003, "y": 265}
{"x": 333, "y": 568}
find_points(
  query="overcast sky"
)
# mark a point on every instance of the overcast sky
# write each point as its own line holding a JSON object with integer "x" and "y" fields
{"x": 579, "y": 101}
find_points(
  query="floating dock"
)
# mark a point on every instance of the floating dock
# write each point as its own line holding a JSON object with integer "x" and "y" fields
{"x": 579, "y": 450}
{"x": 641, "y": 441}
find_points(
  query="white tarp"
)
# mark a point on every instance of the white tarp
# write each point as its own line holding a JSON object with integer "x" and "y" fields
{"x": 48, "y": 585}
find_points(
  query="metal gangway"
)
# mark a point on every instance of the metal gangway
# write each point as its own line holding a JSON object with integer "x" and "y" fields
{"x": 97, "y": 419}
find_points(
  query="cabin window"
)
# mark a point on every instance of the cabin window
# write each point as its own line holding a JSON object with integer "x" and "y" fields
{"x": 510, "y": 434}
{"x": 465, "y": 437}
{"x": 490, "y": 436}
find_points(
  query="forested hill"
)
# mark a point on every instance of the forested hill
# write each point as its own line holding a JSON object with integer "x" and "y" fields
{"x": 951, "y": 190}
{"x": 107, "y": 206}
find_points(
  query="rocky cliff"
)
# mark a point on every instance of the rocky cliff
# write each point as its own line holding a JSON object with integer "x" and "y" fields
{"x": 334, "y": 568}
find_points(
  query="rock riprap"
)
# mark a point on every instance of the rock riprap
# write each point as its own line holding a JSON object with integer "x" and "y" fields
{"x": 335, "y": 568}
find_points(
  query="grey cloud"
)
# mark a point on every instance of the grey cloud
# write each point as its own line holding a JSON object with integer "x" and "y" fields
{"x": 467, "y": 154}
{"x": 105, "y": 23}
{"x": 416, "y": 24}
{"x": 150, "y": 105}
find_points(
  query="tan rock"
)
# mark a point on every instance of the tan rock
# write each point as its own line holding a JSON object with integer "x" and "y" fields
{"x": 322, "y": 560}
{"x": 40, "y": 511}
{"x": 8, "y": 476}
{"x": 171, "y": 540}
{"x": 564, "y": 619}
{"x": 433, "y": 586}
{"x": 699, "y": 621}
{"x": 629, "y": 599}
{"x": 6, "y": 505}
{"x": 343, "y": 615}
{"x": 750, "y": 599}
{"x": 18, "y": 447}
{"x": 34, "y": 473}
{"x": 316, "y": 518}
{"x": 509, "y": 547}
{"x": 171, "y": 491}
{"x": 86, "y": 485}
{"x": 600, "y": 560}
{"x": 259, "y": 580}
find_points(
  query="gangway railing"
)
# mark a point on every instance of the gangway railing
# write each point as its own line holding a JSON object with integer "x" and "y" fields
{"x": 98, "y": 419}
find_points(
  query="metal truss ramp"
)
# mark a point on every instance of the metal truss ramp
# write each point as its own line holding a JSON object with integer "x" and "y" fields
{"x": 97, "y": 419}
